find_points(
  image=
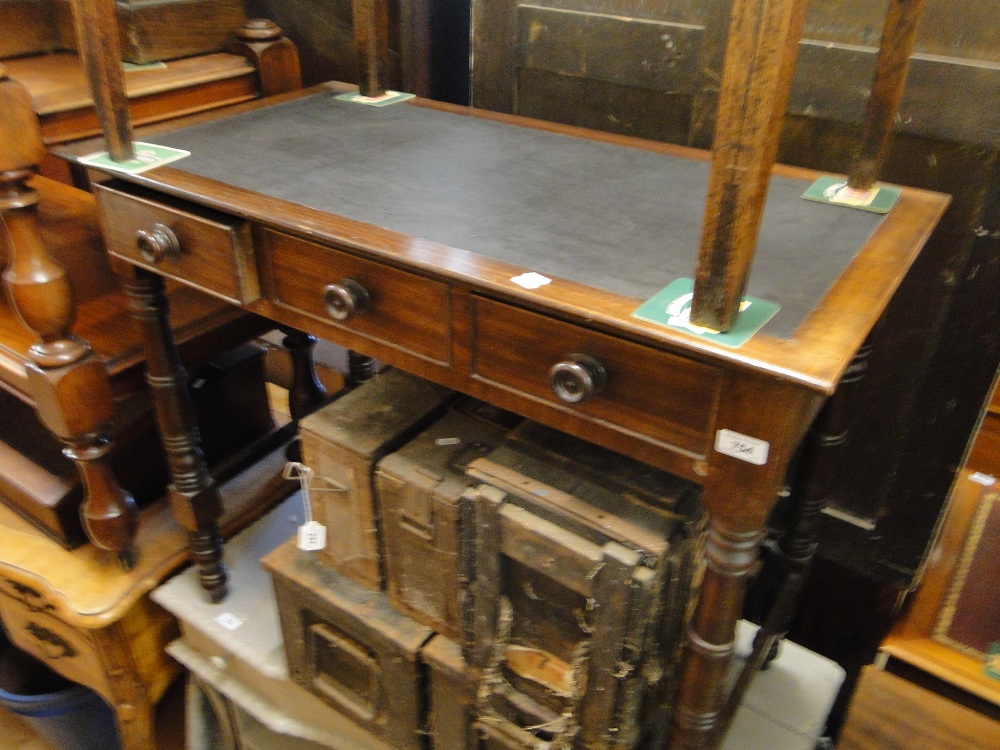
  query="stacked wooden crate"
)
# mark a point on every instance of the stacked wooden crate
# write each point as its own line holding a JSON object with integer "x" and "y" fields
{"x": 484, "y": 579}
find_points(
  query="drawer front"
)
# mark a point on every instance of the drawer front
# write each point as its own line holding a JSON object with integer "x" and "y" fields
{"x": 30, "y": 625}
{"x": 402, "y": 309}
{"x": 648, "y": 392}
{"x": 197, "y": 246}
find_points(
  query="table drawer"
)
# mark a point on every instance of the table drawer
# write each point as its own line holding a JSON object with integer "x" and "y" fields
{"x": 192, "y": 244}
{"x": 648, "y": 392}
{"x": 382, "y": 303}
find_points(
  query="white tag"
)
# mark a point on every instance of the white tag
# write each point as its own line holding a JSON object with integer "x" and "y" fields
{"x": 979, "y": 477}
{"x": 228, "y": 620}
{"x": 745, "y": 448}
{"x": 312, "y": 536}
{"x": 531, "y": 280}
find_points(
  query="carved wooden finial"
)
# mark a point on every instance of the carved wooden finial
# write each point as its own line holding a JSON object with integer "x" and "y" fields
{"x": 275, "y": 57}
{"x": 259, "y": 30}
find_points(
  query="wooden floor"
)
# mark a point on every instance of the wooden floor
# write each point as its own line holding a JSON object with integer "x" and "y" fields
{"x": 18, "y": 735}
{"x": 890, "y": 713}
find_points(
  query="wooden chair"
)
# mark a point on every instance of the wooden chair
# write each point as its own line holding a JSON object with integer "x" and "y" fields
{"x": 84, "y": 376}
{"x": 255, "y": 60}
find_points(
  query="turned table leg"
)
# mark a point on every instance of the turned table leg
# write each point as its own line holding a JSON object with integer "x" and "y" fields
{"x": 738, "y": 496}
{"x": 193, "y": 494}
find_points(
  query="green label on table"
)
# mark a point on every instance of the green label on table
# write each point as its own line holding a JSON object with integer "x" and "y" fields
{"x": 147, "y": 156}
{"x": 992, "y": 666}
{"x": 671, "y": 307}
{"x": 389, "y": 97}
{"x": 834, "y": 190}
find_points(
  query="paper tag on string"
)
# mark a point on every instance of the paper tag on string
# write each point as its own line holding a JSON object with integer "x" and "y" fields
{"x": 312, "y": 536}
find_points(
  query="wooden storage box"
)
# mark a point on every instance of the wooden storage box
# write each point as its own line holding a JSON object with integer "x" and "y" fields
{"x": 342, "y": 442}
{"x": 419, "y": 488}
{"x": 451, "y": 695}
{"x": 556, "y": 629}
{"x": 600, "y": 497}
{"x": 154, "y": 30}
{"x": 235, "y": 653}
{"x": 349, "y": 646}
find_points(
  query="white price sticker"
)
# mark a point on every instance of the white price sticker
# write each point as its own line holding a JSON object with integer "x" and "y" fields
{"x": 229, "y": 621}
{"x": 745, "y": 448}
{"x": 312, "y": 536}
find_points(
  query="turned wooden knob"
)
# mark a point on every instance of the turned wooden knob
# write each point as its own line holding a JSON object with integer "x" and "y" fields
{"x": 578, "y": 378}
{"x": 157, "y": 243}
{"x": 346, "y": 300}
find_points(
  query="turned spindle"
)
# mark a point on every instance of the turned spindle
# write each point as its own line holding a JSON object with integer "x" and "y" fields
{"x": 69, "y": 383}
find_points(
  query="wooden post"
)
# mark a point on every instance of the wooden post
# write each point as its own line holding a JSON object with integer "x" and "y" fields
{"x": 371, "y": 40}
{"x": 97, "y": 38}
{"x": 891, "y": 66}
{"x": 194, "y": 496}
{"x": 738, "y": 497}
{"x": 756, "y": 79}
{"x": 69, "y": 382}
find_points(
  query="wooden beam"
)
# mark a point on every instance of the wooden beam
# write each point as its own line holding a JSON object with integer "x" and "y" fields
{"x": 371, "y": 41}
{"x": 756, "y": 79}
{"x": 891, "y": 66}
{"x": 97, "y": 35}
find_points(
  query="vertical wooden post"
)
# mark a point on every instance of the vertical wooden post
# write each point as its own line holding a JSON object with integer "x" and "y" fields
{"x": 738, "y": 497}
{"x": 69, "y": 382}
{"x": 756, "y": 78}
{"x": 306, "y": 392}
{"x": 194, "y": 497}
{"x": 891, "y": 66}
{"x": 371, "y": 40}
{"x": 97, "y": 38}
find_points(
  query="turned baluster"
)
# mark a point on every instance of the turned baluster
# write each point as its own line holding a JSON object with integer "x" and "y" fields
{"x": 193, "y": 494}
{"x": 69, "y": 382}
{"x": 305, "y": 392}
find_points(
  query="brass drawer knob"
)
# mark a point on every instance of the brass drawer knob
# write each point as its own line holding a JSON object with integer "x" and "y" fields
{"x": 157, "y": 243}
{"x": 578, "y": 378}
{"x": 346, "y": 300}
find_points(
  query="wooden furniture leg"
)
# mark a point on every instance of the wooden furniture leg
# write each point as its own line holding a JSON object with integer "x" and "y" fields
{"x": 97, "y": 37}
{"x": 780, "y": 582}
{"x": 738, "y": 496}
{"x": 306, "y": 392}
{"x": 70, "y": 383}
{"x": 193, "y": 494}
